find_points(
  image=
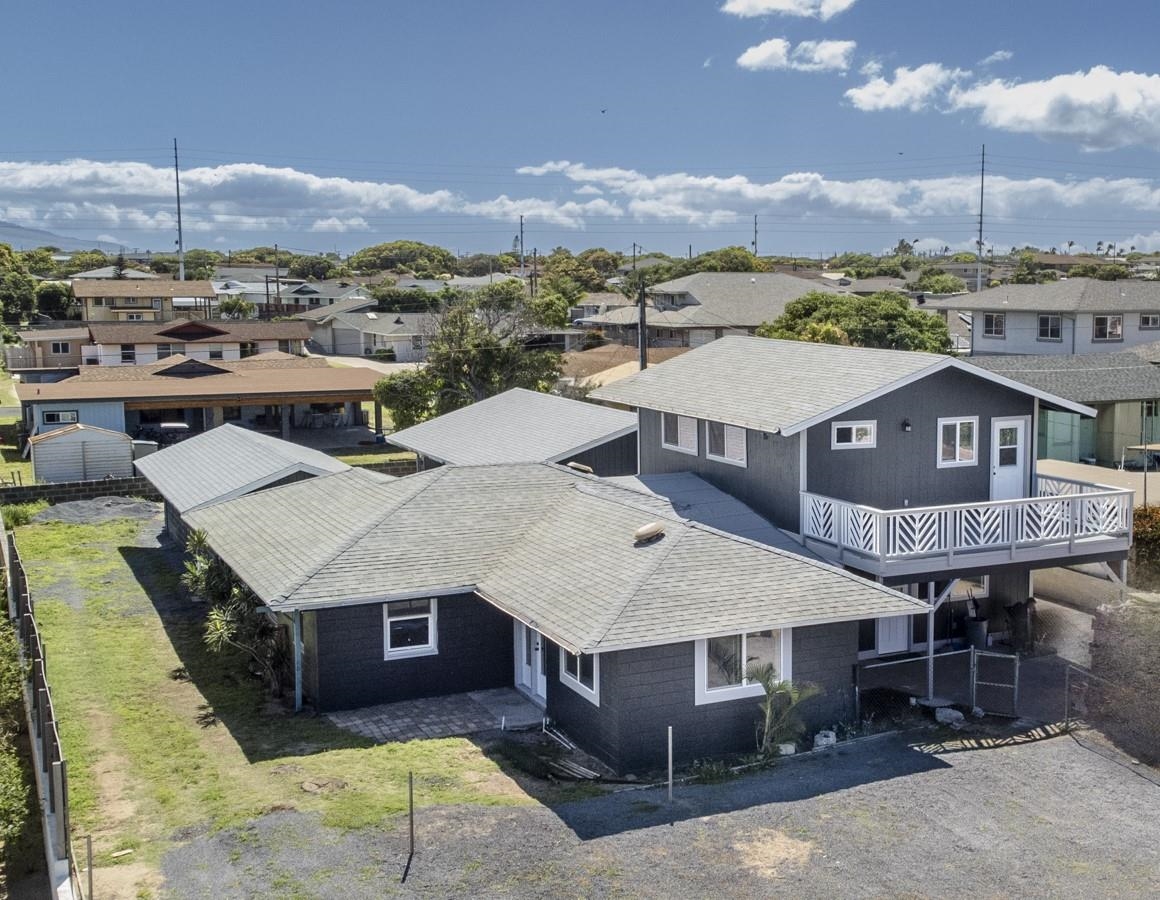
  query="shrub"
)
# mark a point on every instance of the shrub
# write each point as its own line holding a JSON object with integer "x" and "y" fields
{"x": 17, "y": 514}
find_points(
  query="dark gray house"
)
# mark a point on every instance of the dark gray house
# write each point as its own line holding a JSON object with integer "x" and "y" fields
{"x": 223, "y": 463}
{"x": 527, "y": 426}
{"x": 915, "y": 470}
{"x": 459, "y": 578}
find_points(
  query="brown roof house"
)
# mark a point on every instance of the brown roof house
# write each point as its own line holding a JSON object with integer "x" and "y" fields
{"x": 142, "y": 300}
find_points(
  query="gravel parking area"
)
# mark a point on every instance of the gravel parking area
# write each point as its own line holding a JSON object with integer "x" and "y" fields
{"x": 887, "y": 817}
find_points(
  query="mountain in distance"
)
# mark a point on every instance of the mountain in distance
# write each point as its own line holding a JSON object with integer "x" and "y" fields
{"x": 20, "y": 238}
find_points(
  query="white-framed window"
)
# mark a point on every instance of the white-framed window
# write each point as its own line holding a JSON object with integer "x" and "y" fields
{"x": 581, "y": 672}
{"x": 164, "y": 351}
{"x": 60, "y": 348}
{"x": 1108, "y": 328}
{"x": 135, "y": 317}
{"x": 59, "y": 417}
{"x": 722, "y": 665}
{"x": 215, "y": 351}
{"x": 129, "y": 353}
{"x": 157, "y": 303}
{"x": 410, "y": 628}
{"x": 1149, "y": 321}
{"x": 852, "y": 435}
{"x": 679, "y": 433}
{"x": 725, "y": 443}
{"x": 1050, "y": 327}
{"x": 958, "y": 442}
{"x": 98, "y": 301}
{"x": 995, "y": 325}
{"x": 977, "y": 587}
{"x": 417, "y": 342}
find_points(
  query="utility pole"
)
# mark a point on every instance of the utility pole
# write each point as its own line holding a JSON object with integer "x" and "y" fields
{"x": 521, "y": 246}
{"x": 180, "y": 236}
{"x": 535, "y": 268}
{"x": 643, "y": 326}
{"x": 277, "y": 278}
{"x": 982, "y": 177}
{"x": 755, "y": 235}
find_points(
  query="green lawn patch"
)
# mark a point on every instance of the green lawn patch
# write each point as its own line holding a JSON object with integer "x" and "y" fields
{"x": 375, "y": 453}
{"x": 161, "y": 735}
{"x": 12, "y": 464}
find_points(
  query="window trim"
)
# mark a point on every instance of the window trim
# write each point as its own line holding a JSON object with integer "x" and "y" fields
{"x": 591, "y": 694}
{"x": 1108, "y": 340}
{"x": 995, "y": 317}
{"x": 956, "y": 463}
{"x": 1039, "y": 336}
{"x": 431, "y": 648}
{"x": 853, "y": 425}
{"x": 58, "y": 412}
{"x": 128, "y": 354}
{"x": 703, "y": 695}
{"x": 59, "y": 348}
{"x": 743, "y": 462}
{"x": 215, "y": 352}
{"x": 1155, "y": 316}
{"x": 692, "y": 451}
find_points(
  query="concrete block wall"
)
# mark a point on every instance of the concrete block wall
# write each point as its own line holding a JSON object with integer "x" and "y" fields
{"x": 65, "y": 491}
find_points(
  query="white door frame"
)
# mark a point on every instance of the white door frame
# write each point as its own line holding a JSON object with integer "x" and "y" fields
{"x": 531, "y": 657}
{"x": 998, "y": 489}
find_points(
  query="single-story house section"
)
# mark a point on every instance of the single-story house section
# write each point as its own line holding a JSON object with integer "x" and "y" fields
{"x": 134, "y": 344}
{"x": 363, "y": 333}
{"x": 223, "y": 463}
{"x": 272, "y": 391}
{"x": 527, "y": 426}
{"x": 1123, "y": 388}
{"x": 47, "y": 354}
{"x": 81, "y": 453}
{"x": 462, "y": 578}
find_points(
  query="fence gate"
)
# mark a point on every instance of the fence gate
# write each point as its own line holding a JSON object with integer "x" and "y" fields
{"x": 995, "y": 682}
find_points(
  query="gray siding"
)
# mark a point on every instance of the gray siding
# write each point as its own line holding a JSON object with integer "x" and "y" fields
{"x": 310, "y": 654}
{"x": 617, "y": 457}
{"x": 475, "y": 652}
{"x": 101, "y": 413}
{"x": 596, "y": 728}
{"x": 768, "y": 483}
{"x": 902, "y": 469}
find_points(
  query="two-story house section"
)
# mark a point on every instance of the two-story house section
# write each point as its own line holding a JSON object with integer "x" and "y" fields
{"x": 142, "y": 300}
{"x": 1074, "y": 315}
{"x": 916, "y": 470}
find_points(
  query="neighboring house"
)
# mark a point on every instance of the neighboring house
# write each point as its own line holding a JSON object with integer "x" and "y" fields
{"x": 402, "y": 335}
{"x": 52, "y": 353}
{"x": 143, "y": 300}
{"x": 526, "y": 426}
{"x": 901, "y": 466}
{"x": 81, "y": 453}
{"x": 253, "y": 273}
{"x": 272, "y": 391}
{"x": 696, "y": 309}
{"x": 461, "y": 282}
{"x": 1074, "y": 315}
{"x": 596, "y": 302}
{"x": 292, "y": 299}
{"x": 471, "y": 577}
{"x": 1123, "y": 388}
{"x": 224, "y": 463}
{"x": 111, "y": 272}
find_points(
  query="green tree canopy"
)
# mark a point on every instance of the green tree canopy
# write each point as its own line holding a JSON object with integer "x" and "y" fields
{"x": 17, "y": 296}
{"x": 84, "y": 261}
{"x": 605, "y": 262}
{"x": 885, "y": 320}
{"x": 39, "y": 262}
{"x": 484, "y": 264}
{"x": 935, "y": 281}
{"x": 425, "y": 260}
{"x": 316, "y": 267}
{"x": 411, "y": 300}
{"x": 55, "y": 299}
{"x": 236, "y": 307}
{"x": 1028, "y": 271}
{"x": 477, "y": 350}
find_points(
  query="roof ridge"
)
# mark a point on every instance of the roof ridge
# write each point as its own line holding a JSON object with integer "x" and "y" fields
{"x": 375, "y": 522}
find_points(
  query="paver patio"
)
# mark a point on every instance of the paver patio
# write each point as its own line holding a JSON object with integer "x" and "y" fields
{"x": 436, "y": 717}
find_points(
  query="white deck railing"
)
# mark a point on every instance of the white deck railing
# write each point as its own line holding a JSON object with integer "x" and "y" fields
{"x": 1065, "y": 512}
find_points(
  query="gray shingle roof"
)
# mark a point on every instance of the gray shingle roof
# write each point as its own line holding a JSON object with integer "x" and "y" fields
{"x": 771, "y": 385}
{"x": 227, "y": 462}
{"x": 503, "y": 531}
{"x": 388, "y": 323}
{"x": 1069, "y": 295}
{"x": 516, "y": 426}
{"x": 1085, "y": 378}
{"x": 347, "y": 304}
{"x": 732, "y": 299}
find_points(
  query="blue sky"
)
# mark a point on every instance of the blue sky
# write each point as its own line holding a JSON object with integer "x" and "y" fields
{"x": 840, "y": 124}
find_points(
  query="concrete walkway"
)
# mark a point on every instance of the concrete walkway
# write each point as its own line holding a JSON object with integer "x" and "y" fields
{"x": 362, "y": 362}
{"x": 436, "y": 717}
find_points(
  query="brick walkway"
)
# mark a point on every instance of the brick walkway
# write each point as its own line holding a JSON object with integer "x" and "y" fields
{"x": 436, "y": 717}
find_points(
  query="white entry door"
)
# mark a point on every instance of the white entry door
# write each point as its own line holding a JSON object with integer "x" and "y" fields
{"x": 893, "y": 635}
{"x": 1008, "y": 459}
{"x": 531, "y": 663}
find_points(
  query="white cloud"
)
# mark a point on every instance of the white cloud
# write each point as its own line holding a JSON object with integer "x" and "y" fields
{"x": 911, "y": 89}
{"x": 872, "y": 68}
{"x": 707, "y": 63}
{"x": 589, "y": 189}
{"x": 813, "y": 9}
{"x": 997, "y": 57}
{"x": 1100, "y": 109}
{"x": 808, "y": 56}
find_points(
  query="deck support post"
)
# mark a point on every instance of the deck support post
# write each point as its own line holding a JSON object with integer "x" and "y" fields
{"x": 297, "y": 660}
{"x": 378, "y": 417}
{"x": 930, "y": 601}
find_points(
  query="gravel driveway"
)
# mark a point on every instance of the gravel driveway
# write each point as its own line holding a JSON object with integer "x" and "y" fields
{"x": 886, "y": 818}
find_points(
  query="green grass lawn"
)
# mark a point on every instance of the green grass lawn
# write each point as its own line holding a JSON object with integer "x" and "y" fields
{"x": 7, "y": 390}
{"x": 11, "y": 463}
{"x": 161, "y": 735}
{"x": 376, "y": 453}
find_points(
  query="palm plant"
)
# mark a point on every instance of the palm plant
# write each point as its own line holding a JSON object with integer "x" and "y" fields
{"x": 780, "y": 719}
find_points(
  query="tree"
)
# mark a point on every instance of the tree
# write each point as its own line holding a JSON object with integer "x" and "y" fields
{"x": 964, "y": 257}
{"x": 484, "y": 264}
{"x": 85, "y": 261}
{"x": 410, "y": 300}
{"x": 1028, "y": 271}
{"x": 425, "y": 260}
{"x": 236, "y": 307}
{"x": 39, "y": 262}
{"x": 885, "y": 320}
{"x": 476, "y": 350}
{"x": 17, "y": 296}
{"x": 936, "y": 281}
{"x": 316, "y": 267}
{"x": 605, "y": 262}
{"x": 55, "y": 299}
{"x": 562, "y": 264}
{"x": 904, "y": 248}
{"x": 200, "y": 264}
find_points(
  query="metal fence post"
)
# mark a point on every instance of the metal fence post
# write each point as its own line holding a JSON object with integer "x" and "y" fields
{"x": 1015, "y": 698}
{"x": 974, "y": 678}
{"x": 1067, "y": 699}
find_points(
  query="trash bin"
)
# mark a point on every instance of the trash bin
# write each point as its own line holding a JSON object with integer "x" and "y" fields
{"x": 977, "y": 633}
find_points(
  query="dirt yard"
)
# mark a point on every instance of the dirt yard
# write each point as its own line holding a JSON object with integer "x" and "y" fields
{"x": 581, "y": 364}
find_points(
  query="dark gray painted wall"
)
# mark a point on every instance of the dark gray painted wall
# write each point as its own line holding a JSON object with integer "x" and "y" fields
{"x": 902, "y": 469}
{"x": 768, "y": 483}
{"x": 310, "y": 655}
{"x": 475, "y": 652}
{"x": 616, "y": 457}
{"x": 596, "y": 729}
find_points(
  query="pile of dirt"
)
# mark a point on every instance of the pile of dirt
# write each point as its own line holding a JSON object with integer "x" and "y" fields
{"x": 101, "y": 509}
{"x": 585, "y": 363}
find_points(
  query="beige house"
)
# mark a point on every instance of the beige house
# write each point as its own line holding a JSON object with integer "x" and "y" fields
{"x": 143, "y": 300}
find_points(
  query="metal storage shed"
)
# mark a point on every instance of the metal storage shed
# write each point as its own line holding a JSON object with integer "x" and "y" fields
{"x": 81, "y": 453}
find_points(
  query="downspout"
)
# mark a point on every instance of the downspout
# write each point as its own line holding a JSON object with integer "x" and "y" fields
{"x": 930, "y": 641}
{"x": 297, "y": 639}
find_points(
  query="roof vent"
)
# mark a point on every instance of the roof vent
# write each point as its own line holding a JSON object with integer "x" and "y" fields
{"x": 646, "y": 534}
{"x": 580, "y": 467}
